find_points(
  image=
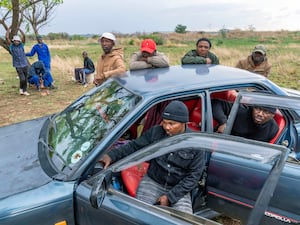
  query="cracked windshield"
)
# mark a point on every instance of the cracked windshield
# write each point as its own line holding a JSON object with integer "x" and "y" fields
{"x": 81, "y": 126}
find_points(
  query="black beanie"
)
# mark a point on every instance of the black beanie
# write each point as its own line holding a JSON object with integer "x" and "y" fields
{"x": 269, "y": 109}
{"x": 177, "y": 111}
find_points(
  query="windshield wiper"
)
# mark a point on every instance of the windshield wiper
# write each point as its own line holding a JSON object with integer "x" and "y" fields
{"x": 60, "y": 159}
{"x": 53, "y": 122}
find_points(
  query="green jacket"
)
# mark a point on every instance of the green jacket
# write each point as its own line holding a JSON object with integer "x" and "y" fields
{"x": 193, "y": 58}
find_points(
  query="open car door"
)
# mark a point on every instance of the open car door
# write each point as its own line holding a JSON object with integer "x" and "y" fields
{"x": 98, "y": 202}
{"x": 235, "y": 191}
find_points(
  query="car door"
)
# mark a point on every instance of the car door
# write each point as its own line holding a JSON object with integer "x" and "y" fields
{"x": 97, "y": 202}
{"x": 234, "y": 191}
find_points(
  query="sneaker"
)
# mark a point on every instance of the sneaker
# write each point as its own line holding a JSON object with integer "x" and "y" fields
{"x": 21, "y": 92}
{"x": 26, "y": 93}
{"x": 85, "y": 85}
{"x": 52, "y": 87}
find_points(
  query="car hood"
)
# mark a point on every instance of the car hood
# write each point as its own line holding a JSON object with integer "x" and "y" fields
{"x": 20, "y": 168}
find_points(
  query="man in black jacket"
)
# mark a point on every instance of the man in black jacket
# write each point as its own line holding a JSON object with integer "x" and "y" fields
{"x": 88, "y": 68}
{"x": 251, "y": 122}
{"x": 171, "y": 177}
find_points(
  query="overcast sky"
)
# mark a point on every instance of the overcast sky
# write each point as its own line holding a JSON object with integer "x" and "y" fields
{"x": 130, "y": 16}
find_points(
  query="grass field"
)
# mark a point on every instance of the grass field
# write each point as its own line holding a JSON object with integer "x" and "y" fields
{"x": 283, "y": 52}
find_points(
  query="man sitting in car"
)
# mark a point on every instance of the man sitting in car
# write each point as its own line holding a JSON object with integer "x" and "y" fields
{"x": 170, "y": 178}
{"x": 253, "y": 122}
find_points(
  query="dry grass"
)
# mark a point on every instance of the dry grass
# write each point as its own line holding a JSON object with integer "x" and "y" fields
{"x": 66, "y": 55}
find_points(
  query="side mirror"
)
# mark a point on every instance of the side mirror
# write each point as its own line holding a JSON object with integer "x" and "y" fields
{"x": 99, "y": 189}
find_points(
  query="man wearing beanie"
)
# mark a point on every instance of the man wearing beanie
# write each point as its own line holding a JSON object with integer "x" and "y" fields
{"x": 251, "y": 122}
{"x": 170, "y": 178}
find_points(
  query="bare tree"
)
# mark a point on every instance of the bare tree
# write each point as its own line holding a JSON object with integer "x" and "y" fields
{"x": 39, "y": 14}
{"x": 12, "y": 14}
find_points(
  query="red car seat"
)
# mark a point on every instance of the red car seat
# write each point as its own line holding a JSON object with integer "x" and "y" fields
{"x": 194, "y": 107}
{"x": 132, "y": 176}
{"x": 278, "y": 117}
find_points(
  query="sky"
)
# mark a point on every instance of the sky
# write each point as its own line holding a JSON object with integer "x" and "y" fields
{"x": 130, "y": 16}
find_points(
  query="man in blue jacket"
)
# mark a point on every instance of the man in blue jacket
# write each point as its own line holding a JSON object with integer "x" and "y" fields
{"x": 171, "y": 177}
{"x": 37, "y": 74}
{"x": 42, "y": 50}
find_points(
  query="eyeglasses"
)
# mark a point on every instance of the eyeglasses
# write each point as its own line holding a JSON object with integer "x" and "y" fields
{"x": 203, "y": 46}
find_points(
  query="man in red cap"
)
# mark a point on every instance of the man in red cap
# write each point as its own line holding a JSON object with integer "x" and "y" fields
{"x": 148, "y": 57}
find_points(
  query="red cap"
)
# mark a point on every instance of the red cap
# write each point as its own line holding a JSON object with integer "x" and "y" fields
{"x": 148, "y": 45}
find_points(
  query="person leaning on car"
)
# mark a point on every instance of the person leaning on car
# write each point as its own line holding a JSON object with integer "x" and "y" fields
{"x": 111, "y": 62}
{"x": 171, "y": 177}
{"x": 253, "y": 122}
{"x": 200, "y": 55}
{"x": 148, "y": 57}
{"x": 257, "y": 62}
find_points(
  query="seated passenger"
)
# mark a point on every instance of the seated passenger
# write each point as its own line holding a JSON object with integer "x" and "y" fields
{"x": 251, "y": 122}
{"x": 170, "y": 178}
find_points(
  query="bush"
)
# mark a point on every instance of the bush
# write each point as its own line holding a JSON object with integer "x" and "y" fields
{"x": 158, "y": 39}
{"x": 131, "y": 42}
{"x": 181, "y": 29}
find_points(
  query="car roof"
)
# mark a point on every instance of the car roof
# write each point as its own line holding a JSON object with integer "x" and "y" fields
{"x": 185, "y": 77}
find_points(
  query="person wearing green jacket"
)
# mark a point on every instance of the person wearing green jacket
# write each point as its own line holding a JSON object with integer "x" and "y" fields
{"x": 200, "y": 55}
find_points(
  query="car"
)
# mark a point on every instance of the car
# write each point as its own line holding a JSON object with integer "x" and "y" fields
{"x": 51, "y": 174}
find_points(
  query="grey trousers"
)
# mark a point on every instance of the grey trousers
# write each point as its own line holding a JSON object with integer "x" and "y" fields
{"x": 149, "y": 191}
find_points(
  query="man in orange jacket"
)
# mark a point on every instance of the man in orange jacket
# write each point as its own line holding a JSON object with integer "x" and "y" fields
{"x": 111, "y": 63}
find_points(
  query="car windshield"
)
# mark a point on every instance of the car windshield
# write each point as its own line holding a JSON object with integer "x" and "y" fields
{"x": 80, "y": 127}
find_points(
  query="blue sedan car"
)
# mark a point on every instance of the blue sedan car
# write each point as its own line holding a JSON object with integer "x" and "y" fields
{"x": 50, "y": 172}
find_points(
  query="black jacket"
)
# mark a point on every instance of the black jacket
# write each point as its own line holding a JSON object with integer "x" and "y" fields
{"x": 88, "y": 64}
{"x": 243, "y": 125}
{"x": 179, "y": 171}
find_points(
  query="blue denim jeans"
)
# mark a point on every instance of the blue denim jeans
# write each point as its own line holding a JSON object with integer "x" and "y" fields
{"x": 83, "y": 73}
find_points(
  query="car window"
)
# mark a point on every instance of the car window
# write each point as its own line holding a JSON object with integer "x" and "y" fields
{"x": 251, "y": 150}
{"x": 77, "y": 130}
{"x": 246, "y": 117}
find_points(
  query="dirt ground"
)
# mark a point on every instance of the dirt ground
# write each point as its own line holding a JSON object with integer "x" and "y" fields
{"x": 16, "y": 108}
{"x": 227, "y": 221}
